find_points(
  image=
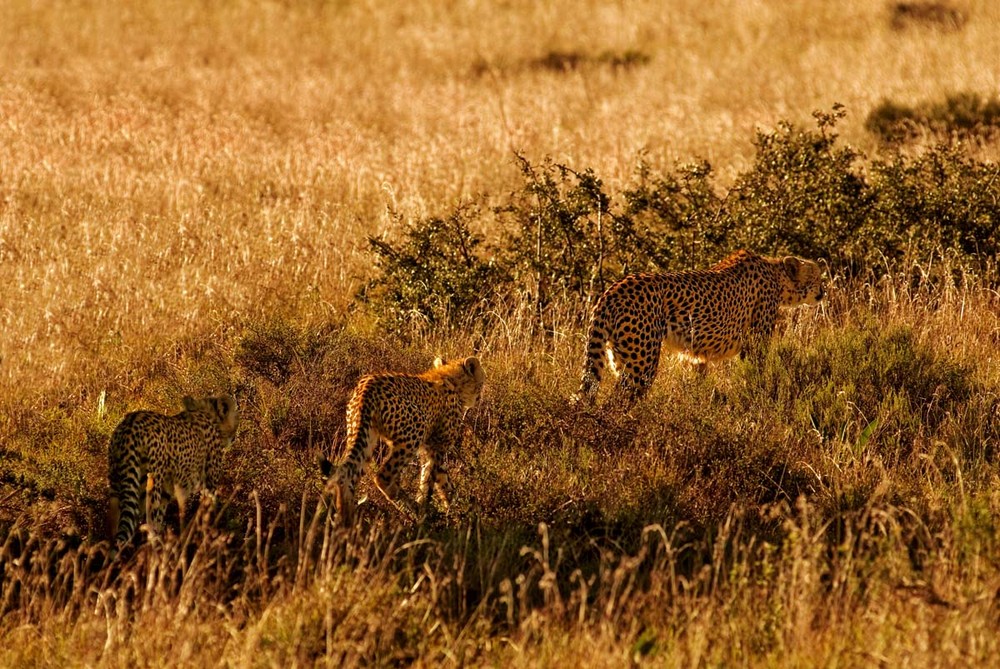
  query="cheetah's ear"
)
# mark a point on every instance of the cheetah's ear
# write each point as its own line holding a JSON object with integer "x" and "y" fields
{"x": 225, "y": 407}
{"x": 792, "y": 266}
{"x": 473, "y": 368}
{"x": 190, "y": 403}
{"x": 438, "y": 362}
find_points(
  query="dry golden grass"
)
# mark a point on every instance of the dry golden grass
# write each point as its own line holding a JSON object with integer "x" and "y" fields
{"x": 155, "y": 154}
{"x": 176, "y": 177}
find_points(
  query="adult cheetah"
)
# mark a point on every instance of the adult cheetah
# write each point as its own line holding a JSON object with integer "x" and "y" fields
{"x": 705, "y": 315}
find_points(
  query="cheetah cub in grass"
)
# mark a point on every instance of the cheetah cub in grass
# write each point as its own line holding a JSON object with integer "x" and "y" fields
{"x": 705, "y": 315}
{"x": 414, "y": 413}
{"x": 153, "y": 458}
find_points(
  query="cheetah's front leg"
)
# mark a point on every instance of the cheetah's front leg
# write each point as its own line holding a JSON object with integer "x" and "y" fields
{"x": 758, "y": 337}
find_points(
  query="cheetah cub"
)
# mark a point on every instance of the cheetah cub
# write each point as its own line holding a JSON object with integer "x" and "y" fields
{"x": 414, "y": 413}
{"x": 153, "y": 458}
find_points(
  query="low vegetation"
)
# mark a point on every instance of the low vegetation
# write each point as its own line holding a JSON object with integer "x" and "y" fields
{"x": 850, "y": 478}
{"x": 962, "y": 116}
{"x": 927, "y": 14}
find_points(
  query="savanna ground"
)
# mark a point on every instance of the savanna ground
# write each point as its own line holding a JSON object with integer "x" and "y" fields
{"x": 186, "y": 195}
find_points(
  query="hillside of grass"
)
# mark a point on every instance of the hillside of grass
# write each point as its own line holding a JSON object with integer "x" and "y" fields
{"x": 272, "y": 199}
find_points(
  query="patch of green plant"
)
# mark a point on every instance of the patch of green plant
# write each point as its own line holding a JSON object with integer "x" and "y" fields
{"x": 560, "y": 61}
{"x": 871, "y": 387}
{"x": 927, "y": 14}
{"x": 802, "y": 195}
{"x": 562, "y": 240}
{"x": 559, "y": 241}
{"x": 672, "y": 220}
{"x": 276, "y": 349}
{"x": 554, "y": 236}
{"x": 940, "y": 201}
{"x": 439, "y": 272}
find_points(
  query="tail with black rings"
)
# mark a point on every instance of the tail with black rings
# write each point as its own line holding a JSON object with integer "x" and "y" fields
{"x": 595, "y": 358}
{"x": 124, "y": 473}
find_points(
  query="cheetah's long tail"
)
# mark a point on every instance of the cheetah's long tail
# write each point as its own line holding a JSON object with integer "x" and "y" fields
{"x": 595, "y": 357}
{"x": 124, "y": 474}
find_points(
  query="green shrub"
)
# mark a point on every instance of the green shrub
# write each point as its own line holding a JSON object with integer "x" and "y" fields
{"x": 926, "y": 14}
{"x": 274, "y": 350}
{"x": 568, "y": 61}
{"x": 802, "y": 195}
{"x": 555, "y": 232}
{"x": 561, "y": 238}
{"x": 941, "y": 201}
{"x": 561, "y": 62}
{"x": 558, "y": 241}
{"x": 435, "y": 274}
{"x": 673, "y": 220}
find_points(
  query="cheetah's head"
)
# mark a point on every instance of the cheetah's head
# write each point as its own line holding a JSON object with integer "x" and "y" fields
{"x": 465, "y": 376}
{"x": 801, "y": 282}
{"x": 343, "y": 495}
{"x": 222, "y": 408}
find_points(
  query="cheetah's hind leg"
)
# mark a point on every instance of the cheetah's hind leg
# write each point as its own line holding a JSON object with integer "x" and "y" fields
{"x": 387, "y": 479}
{"x": 341, "y": 486}
{"x": 155, "y": 507}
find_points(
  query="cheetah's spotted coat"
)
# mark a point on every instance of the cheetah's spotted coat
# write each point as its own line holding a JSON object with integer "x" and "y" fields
{"x": 153, "y": 457}
{"x": 414, "y": 413}
{"x": 709, "y": 314}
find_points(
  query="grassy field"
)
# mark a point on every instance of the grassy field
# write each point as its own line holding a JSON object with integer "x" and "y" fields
{"x": 185, "y": 194}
